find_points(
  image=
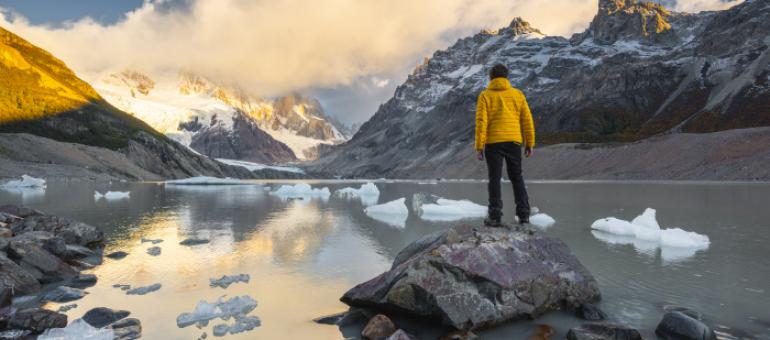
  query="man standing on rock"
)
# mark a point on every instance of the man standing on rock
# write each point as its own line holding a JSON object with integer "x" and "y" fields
{"x": 503, "y": 124}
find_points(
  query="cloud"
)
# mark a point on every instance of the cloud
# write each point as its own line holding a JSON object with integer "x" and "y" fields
{"x": 273, "y": 47}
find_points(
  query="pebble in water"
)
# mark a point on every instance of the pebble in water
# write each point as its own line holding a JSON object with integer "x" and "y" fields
{"x": 154, "y": 251}
{"x": 144, "y": 290}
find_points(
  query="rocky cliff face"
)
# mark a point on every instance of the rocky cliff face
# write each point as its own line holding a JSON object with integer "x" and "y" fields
{"x": 223, "y": 121}
{"x": 637, "y": 71}
{"x": 45, "y": 98}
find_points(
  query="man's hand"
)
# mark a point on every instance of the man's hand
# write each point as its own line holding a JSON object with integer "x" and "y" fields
{"x": 480, "y": 155}
{"x": 528, "y": 152}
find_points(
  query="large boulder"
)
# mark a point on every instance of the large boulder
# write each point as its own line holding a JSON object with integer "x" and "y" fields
{"x": 43, "y": 265}
{"x": 470, "y": 277}
{"x": 678, "y": 325}
{"x": 19, "y": 281}
{"x": 72, "y": 232}
{"x": 37, "y": 319}
{"x": 603, "y": 331}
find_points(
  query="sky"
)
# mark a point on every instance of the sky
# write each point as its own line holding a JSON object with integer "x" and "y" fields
{"x": 351, "y": 54}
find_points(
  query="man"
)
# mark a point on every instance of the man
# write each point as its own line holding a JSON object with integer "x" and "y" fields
{"x": 503, "y": 124}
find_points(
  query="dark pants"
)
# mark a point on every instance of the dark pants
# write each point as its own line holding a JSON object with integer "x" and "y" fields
{"x": 510, "y": 153}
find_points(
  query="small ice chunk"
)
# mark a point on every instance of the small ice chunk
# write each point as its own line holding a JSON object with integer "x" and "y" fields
{"x": 223, "y": 309}
{"x": 77, "y": 329}
{"x": 393, "y": 213}
{"x": 301, "y": 190}
{"x": 154, "y": 251}
{"x": 112, "y": 195}
{"x": 242, "y": 324}
{"x": 206, "y": 180}
{"x": 678, "y": 238}
{"x": 451, "y": 210}
{"x": 541, "y": 220}
{"x": 226, "y": 280}
{"x": 144, "y": 290}
{"x": 368, "y": 193}
{"x": 25, "y": 182}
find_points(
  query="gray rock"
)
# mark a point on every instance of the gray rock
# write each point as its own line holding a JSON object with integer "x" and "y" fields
{"x": 37, "y": 319}
{"x": 154, "y": 251}
{"x": 194, "y": 241}
{"x": 4, "y": 231}
{"x": 74, "y": 251}
{"x": 117, "y": 255}
{"x": 401, "y": 335}
{"x": 144, "y": 290}
{"x": 330, "y": 319}
{"x": 590, "y": 312}
{"x": 14, "y": 276}
{"x": 16, "y": 211}
{"x": 43, "y": 265}
{"x": 48, "y": 241}
{"x": 603, "y": 331}
{"x": 471, "y": 277}
{"x": 680, "y": 326}
{"x": 64, "y": 294}
{"x": 687, "y": 311}
{"x": 127, "y": 329}
{"x": 67, "y": 308}
{"x": 103, "y": 316}
{"x": 378, "y": 328}
{"x": 82, "y": 281}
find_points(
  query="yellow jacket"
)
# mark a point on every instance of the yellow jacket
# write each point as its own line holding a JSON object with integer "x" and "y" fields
{"x": 502, "y": 115}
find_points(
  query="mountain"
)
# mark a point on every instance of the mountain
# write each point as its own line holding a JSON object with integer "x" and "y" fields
{"x": 638, "y": 70}
{"x": 222, "y": 121}
{"x": 41, "y": 96}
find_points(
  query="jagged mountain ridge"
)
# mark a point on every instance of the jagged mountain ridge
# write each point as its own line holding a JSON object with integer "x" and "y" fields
{"x": 637, "y": 71}
{"x": 43, "y": 97}
{"x": 223, "y": 121}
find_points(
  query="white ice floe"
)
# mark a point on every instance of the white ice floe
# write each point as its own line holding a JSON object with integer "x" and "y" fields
{"x": 393, "y": 213}
{"x": 112, "y": 195}
{"x": 241, "y": 324}
{"x": 541, "y": 220}
{"x": 368, "y": 193}
{"x": 144, "y": 290}
{"x": 206, "y": 180}
{"x": 256, "y": 166}
{"x": 25, "y": 182}
{"x": 223, "y": 309}
{"x": 301, "y": 191}
{"x": 78, "y": 330}
{"x": 226, "y": 280}
{"x": 451, "y": 210}
{"x": 645, "y": 234}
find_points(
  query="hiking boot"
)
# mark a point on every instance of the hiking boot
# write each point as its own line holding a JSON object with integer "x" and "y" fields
{"x": 492, "y": 222}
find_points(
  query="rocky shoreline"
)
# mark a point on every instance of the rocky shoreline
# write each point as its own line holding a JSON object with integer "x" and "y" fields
{"x": 41, "y": 259}
{"x": 470, "y": 278}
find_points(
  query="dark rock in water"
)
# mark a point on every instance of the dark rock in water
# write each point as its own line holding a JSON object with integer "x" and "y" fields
{"x": 64, "y": 294}
{"x": 590, "y": 312}
{"x": 37, "y": 319}
{"x": 67, "y": 308}
{"x": 144, "y": 290}
{"x": 460, "y": 335}
{"x": 19, "y": 280}
{"x": 117, "y": 255}
{"x": 127, "y": 329}
{"x": 154, "y": 251}
{"x": 82, "y": 281}
{"x": 379, "y": 327}
{"x": 401, "y": 335}
{"x": 679, "y": 326}
{"x": 43, "y": 265}
{"x": 153, "y": 241}
{"x": 103, "y": 316}
{"x": 74, "y": 251}
{"x": 687, "y": 311}
{"x": 470, "y": 277}
{"x": 603, "y": 331}
{"x": 194, "y": 241}
{"x": 330, "y": 319}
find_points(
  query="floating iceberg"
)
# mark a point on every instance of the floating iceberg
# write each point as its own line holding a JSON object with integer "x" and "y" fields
{"x": 226, "y": 280}
{"x": 645, "y": 234}
{"x": 25, "y": 182}
{"x": 144, "y": 290}
{"x": 256, "y": 166}
{"x": 223, "y": 309}
{"x": 242, "y": 324}
{"x": 541, "y": 220}
{"x": 78, "y": 330}
{"x": 433, "y": 208}
{"x": 112, "y": 195}
{"x": 368, "y": 193}
{"x": 393, "y": 213}
{"x": 206, "y": 180}
{"x": 301, "y": 191}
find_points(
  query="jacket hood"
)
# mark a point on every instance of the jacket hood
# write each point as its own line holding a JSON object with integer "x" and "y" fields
{"x": 499, "y": 84}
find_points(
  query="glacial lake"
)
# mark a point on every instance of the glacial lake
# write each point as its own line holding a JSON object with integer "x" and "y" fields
{"x": 302, "y": 255}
